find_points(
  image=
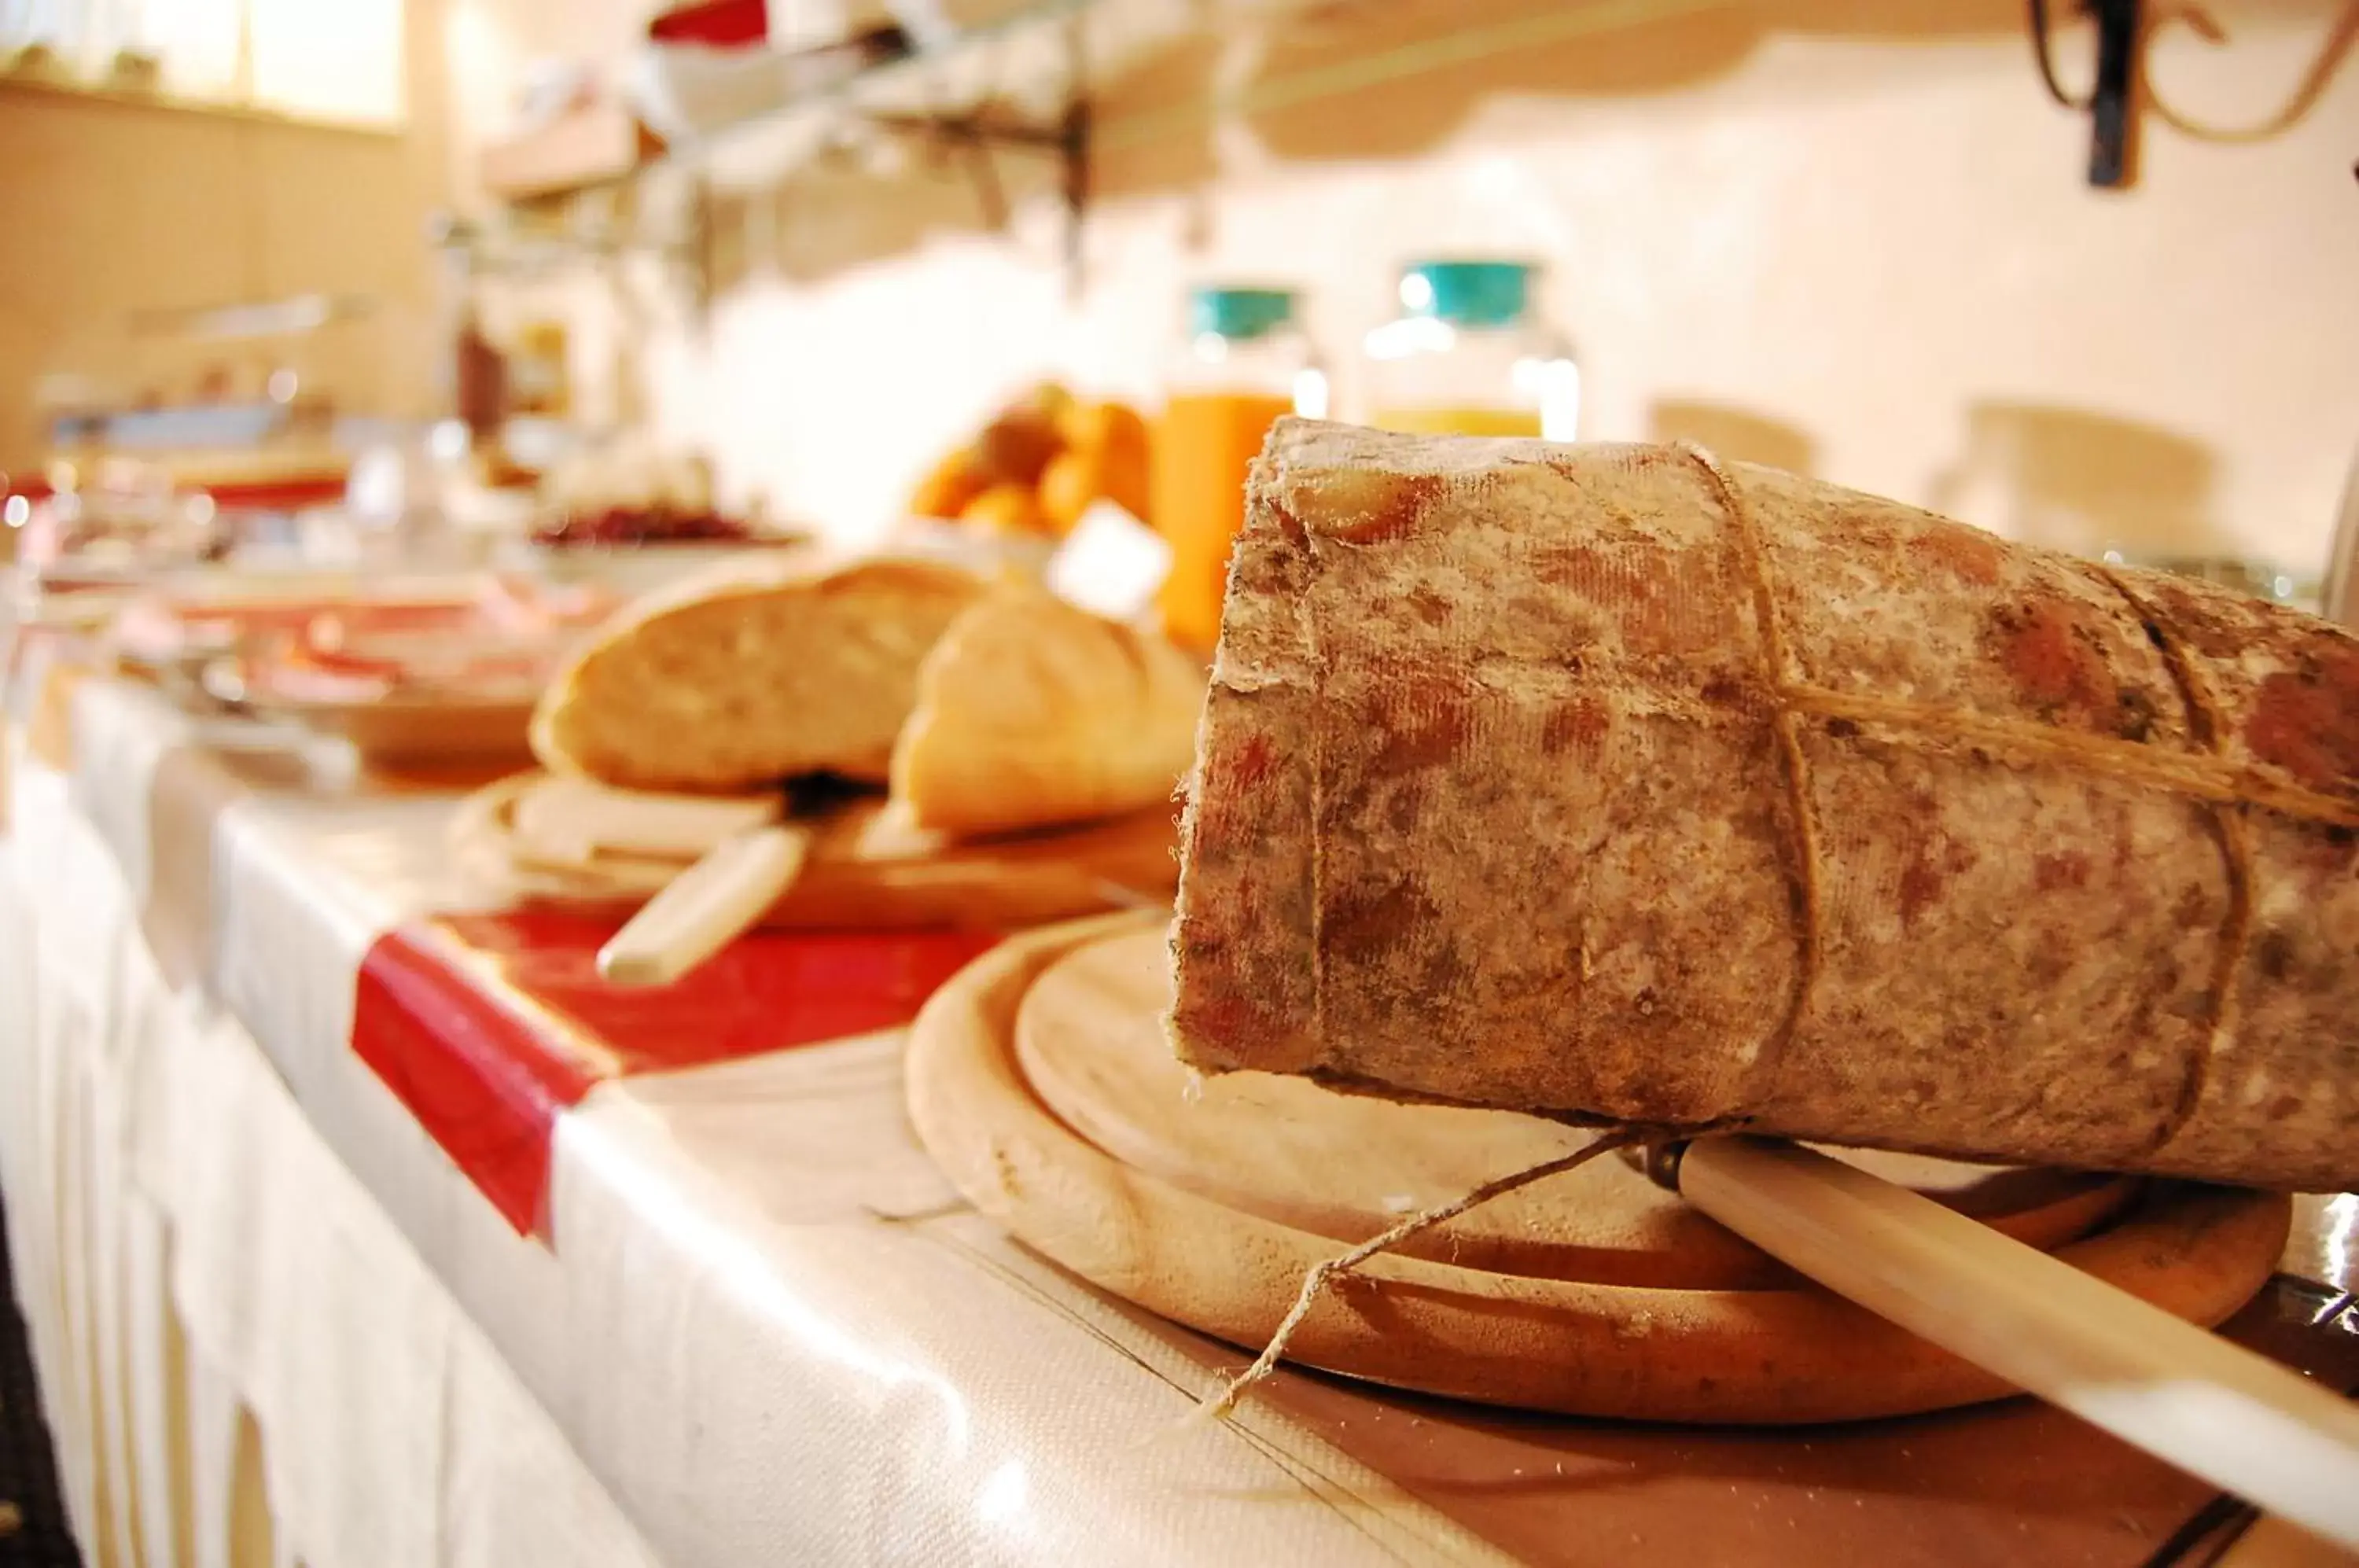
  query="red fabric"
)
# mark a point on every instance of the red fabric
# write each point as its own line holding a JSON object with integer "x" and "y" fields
{"x": 488, "y": 1027}
{"x": 720, "y": 24}
{"x": 313, "y": 490}
{"x": 274, "y": 494}
{"x": 480, "y": 1078}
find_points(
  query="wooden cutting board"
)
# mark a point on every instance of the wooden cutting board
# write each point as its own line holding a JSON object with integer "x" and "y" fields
{"x": 1090, "y": 1039}
{"x": 539, "y": 839}
{"x": 408, "y": 730}
{"x": 1037, "y": 1080}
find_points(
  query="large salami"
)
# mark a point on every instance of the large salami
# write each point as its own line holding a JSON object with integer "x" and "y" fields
{"x": 1620, "y": 784}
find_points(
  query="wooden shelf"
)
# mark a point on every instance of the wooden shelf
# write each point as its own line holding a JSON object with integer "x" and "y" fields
{"x": 586, "y": 147}
{"x": 35, "y": 87}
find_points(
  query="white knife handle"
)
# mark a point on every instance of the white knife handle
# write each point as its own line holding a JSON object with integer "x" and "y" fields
{"x": 2273, "y": 1543}
{"x": 2213, "y": 1408}
{"x": 705, "y": 908}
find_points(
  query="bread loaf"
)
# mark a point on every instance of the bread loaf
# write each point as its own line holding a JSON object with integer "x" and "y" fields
{"x": 1031, "y": 712}
{"x": 1615, "y": 783}
{"x": 762, "y": 675}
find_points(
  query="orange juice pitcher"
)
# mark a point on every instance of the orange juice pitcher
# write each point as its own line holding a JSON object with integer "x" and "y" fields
{"x": 1244, "y": 363}
{"x": 1469, "y": 355}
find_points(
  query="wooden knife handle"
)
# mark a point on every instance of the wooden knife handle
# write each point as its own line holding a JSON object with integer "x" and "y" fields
{"x": 2213, "y": 1408}
{"x": 705, "y": 908}
{"x": 2273, "y": 1543}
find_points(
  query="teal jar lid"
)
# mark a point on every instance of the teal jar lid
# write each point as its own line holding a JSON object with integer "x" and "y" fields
{"x": 1468, "y": 293}
{"x": 1241, "y": 314}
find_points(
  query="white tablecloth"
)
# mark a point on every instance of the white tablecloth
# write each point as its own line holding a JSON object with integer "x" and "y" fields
{"x": 244, "y": 1361}
{"x": 760, "y": 1328}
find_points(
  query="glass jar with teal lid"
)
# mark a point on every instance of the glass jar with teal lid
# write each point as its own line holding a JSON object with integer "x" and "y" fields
{"x": 1471, "y": 354}
{"x": 1243, "y": 360}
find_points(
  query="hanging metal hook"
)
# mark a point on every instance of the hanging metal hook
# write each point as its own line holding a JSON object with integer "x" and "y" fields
{"x": 2111, "y": 102}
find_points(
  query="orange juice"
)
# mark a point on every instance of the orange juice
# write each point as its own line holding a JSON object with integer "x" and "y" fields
{"x": 1203, "y": 445}
{"x": 1466, "y": 421}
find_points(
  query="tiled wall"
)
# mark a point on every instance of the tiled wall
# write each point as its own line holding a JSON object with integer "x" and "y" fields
{"x": 1809, "y": 233}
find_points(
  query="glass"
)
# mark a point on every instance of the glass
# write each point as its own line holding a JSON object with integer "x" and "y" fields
{"x": 1243, "y": 363}
{"x": 1469, "y": 355}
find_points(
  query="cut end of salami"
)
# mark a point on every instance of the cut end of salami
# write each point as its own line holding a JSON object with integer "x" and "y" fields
{"x": 1619, "y": 783}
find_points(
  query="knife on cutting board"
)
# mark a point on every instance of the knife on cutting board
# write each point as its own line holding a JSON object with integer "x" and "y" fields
{"x": 744, "y": 854}
{"x": 2180, "y": 1392}
{"x": 706, "y": 907}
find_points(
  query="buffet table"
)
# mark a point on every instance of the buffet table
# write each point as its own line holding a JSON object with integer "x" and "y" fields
{"x": 359, "y": 1223}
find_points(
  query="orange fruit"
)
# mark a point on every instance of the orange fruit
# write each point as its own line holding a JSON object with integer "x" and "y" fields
{"x": 1005, "y": 509}
{"x": 947, "y": 488}
{"x": 1049, "y": 398}
{"x": 1016, "y": 447}
{"x": 1110, "y": 428}
{"x": 1070, "y": 486}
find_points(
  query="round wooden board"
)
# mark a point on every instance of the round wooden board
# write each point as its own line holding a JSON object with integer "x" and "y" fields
{"x": 1765, "y": 1353}
{"x": 1090, "y": 1039}
{"x": 406, "y": 728}
{"x": 862, "y": 873}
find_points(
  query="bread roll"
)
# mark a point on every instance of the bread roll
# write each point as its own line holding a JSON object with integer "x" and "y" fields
{"x": 761, "y": 676}
{"x": 1031, "y": 712}
{"x": 1613, "y": 783}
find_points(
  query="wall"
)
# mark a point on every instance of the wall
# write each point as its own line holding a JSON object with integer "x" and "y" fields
{"x": 115, "y": 207}
{"x": 1807, "y": 231}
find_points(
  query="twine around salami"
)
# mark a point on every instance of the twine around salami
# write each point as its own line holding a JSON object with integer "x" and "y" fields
{"x": 2209, "y": 775}
{"x": 1324, "y": 1274}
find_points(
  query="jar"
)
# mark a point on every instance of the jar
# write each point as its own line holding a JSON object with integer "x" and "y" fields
{"x": 1469, "y": 355}
{"x": 1244, "y": 360}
